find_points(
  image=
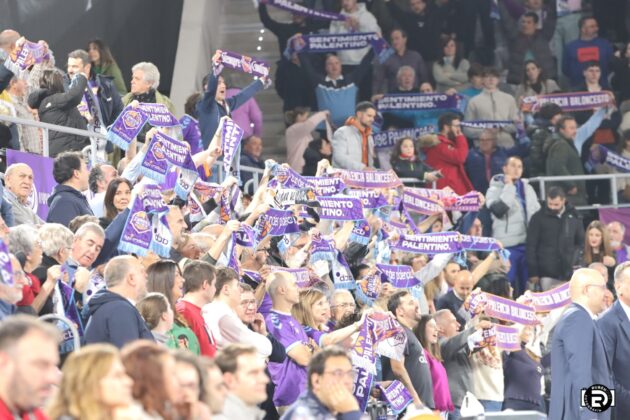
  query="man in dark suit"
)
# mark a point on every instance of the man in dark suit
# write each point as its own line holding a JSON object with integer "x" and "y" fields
{"x": 454, "y": 298}
{"x": 615, "y": 328}
{"x": 578, "y": 356}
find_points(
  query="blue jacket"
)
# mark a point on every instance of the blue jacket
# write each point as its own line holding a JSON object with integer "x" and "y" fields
{"x": 113, "y": 319}
{"x": 615, "y": 328}
{"x": 578, "y": 360}
{"x": 5, "y": 209}
{"x": 65, "y": 204}
{"x": 309, "y": 406}
{"x": 476, "y": 164}
{"x": 210, "y": 111}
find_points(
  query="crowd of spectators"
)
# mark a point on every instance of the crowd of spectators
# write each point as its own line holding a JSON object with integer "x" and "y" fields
{"x": 235, "y": 320}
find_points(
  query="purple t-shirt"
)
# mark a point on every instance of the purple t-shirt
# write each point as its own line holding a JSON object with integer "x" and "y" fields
{"x": 314, "y": 334}
{"x": 289, "y": 377}
{"x": 265, "y": 305}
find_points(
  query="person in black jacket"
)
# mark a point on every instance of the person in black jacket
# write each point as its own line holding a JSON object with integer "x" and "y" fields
{"x": 317, "y": 150}
{"x": 112, "y": 317}
{"x": 554, "y": 237}
{"x": 55, "y": 106}
{"x": 66, "y": 201}
{"x": 407, "y": 164}
{"x": 109, "y": 102}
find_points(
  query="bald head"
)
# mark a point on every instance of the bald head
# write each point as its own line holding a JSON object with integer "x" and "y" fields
{"x": 19, "y": 180}
{"x": 126, "y": 276}
{"x": 8, "y": 38}
{"x": 278, "y": 281}
{"x": 587, "y": 288}
{"x": 463, "y": 284}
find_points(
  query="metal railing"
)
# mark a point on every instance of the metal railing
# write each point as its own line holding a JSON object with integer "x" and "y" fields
{"x": 612, "y": 178}
{"x": 73, "y": 329}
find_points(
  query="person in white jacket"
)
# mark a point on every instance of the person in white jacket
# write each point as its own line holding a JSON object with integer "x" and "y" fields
{"x": 359, "y": 20}
{"x": 222, "y": 319}
{"x": 512, "y": 202}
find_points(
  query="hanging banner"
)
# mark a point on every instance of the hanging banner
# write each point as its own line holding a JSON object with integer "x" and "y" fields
{"x": 369, "y": 179}
{"x": 387, "y": 139}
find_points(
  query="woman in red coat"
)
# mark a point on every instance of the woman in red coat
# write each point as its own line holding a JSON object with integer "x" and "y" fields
{"x": 450, "y": 154}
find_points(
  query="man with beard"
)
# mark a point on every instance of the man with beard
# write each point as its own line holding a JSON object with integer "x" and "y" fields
{"x": 616, "y": 232}
{"x": 449, "y": 155}
{"x": 28, "y": 362}
{"x": 554, "y": 235}
{"x": 413, "y": 371}
{"x": 353, "y": 145}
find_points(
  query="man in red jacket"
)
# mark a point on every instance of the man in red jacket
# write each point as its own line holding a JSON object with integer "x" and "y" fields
{"x": 450, "y": 154}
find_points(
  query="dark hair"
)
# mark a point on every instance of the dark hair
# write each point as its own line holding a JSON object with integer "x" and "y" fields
{"x": 245, "y": 288}
{"x": 420, "y": 331}
{"x": 161, "y": 278}
{"x": 190, "y": 107}
{"x": 143, "y": 361}
{"x": 103, "y": 51}
{"x": 587, "y": 65}
{"x": 317, "y": 364}
{"x": 316, "y": 144}
{"x": 549, "y": 110}
{"x": 531, "y": 15}
{"x": 81, "y": 55}
{"x": 496, "y": 284}
{"x": 538, "y": 84}
{"x": 96, "y": 175}
{"x": 555, "y": 192}
{"x": 79, "y": 221}
{"x": 52, "y": 81}
{"x": 195, "y": 273}
{"x": 562, "y": 120}
{"x": 394, "y": 157}
{"x": 475, "y": 70}
{"x": 401, "y": 30}
{"x": 227, "y": 358}
{"x": 394, "y": 300}
{"x": 291, "y": 116}
{"x": 65, "y": 165}
{"x": 583, "y": 19}
{"x": 224, "y": 276}
{"x": 490, "y": 71}
{"x": 444, "y": 40}
{"x": 447, "y": 119}
{"x": 110, "y": 210}
{"x": 364, "y": 106}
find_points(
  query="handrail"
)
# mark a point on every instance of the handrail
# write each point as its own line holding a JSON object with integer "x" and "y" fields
{"x": 53, "y": 127}
{"x": 75, "y": 332}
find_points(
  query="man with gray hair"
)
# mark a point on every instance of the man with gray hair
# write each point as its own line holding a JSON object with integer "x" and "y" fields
{"x": 18, "y": 180}
{"x": 87, "y": 244}
{"x": 101, "y": 175}
{"x": 113, "y": 318}
{"x": 405, "y": 80}
{"x": 615, "y": 328}
{"x": 29, "y": 358}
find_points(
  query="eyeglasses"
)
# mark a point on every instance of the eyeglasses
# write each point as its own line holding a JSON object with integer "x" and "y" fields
{"x": 248, "y": 302}
{"x": 341, "y": 374}
{"x": 344, "y": 305}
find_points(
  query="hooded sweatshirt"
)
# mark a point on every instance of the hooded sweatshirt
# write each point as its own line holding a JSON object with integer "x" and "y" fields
{"x": 65, "y": 204}
{"x": 114, "y": 319}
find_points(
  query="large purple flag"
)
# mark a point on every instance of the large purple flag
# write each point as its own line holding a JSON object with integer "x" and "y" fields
{"x": 43, "y": 182}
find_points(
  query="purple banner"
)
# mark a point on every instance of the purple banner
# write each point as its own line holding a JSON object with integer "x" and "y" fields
{"x": 244, "y": 63}
{"x": 551, "y": 299}
{"x": 301, "y": 275}
{"x": 25, "y": 54}
{"x": 326, "y": 186}
{"x": 418, "y": 101}
{"x": 202, "y": 192}
{"x": 6, "y": 269}
{"x": 289, "y": 197}
{"x": 340, "y": 208}
{"x": 321, "y": 43}
{"x": 304, "y": 11}
{"x": 430, "y": 243}
{"x": 479, "y": 243}
{"x": 275, "y": 223}
{"x": 288, "y": 178}
{"x": 245, "y": 236}
{"x": 159, "y": 115}
{"x": 231, "y": 135}
{"x": 450, "y": 200}
{"x": 361, "y": 232}
{"x": 370, "y": 199}
{"x": 368, "y": 289}
{"x": 322, "y": 249}
{"x": 387, "y": 139}
{"x": 419, "y": 204}
{"x": 485, "y": 124}
{"x": 507, "y": 338}
{"x": 600, "y": 154}
{"x": 369, "y": 179}
{"x": 342, "y": 275}
{"x": 43, "y": 181}
{"x": 163, "y": 152}
{"x": 569, "y": 102}
{"x": 400, "y": 276}
{"x": 146, "y": 228}
{"x": 397, "y": 396}
{"x": 509, "y": 310}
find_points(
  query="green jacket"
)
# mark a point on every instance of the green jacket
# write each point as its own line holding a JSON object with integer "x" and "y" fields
{"x": 113, "y": 71}
{"x": 563, "y": 159}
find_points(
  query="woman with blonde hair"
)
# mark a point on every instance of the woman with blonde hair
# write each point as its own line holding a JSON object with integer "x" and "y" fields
{"x": 313, "y": 312}
{"x": 95, "y": 386}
